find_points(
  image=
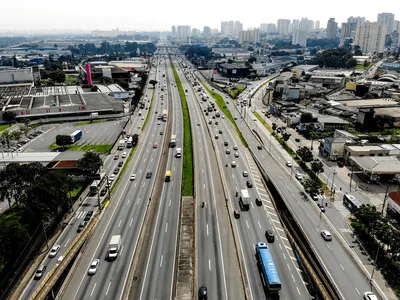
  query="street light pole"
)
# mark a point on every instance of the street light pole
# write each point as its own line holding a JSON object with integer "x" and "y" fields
{"x": 333, "y": 180}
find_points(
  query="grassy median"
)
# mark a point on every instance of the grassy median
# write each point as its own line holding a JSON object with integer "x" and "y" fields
{"x": 187, "y": 176}
{"x": 221, "y": 103}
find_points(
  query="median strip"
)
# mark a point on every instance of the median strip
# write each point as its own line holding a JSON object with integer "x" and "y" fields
{"x": 187, "y": 176}
{"x": 148, "y": 114}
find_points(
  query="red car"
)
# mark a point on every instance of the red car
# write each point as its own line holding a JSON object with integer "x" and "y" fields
{"x": 116, "y": 156}
{"x": 155, "y": 146}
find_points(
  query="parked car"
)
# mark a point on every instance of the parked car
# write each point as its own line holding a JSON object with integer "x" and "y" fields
{"x": 299, "y": 176}
{"x": 103, "y": 191}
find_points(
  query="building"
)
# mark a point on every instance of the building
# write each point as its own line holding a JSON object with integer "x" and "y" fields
{"x": 268, "y": 27}
{"x": 195, "y": 32}
{"x": 173, "y": 29}
{"x": 232, "y": 70}
{"x": 251, "y": 35}
{"x": 348, "y": 30}
{"x": 16, "y": 76}
{"x": 232, "y": 53}
{"x": 299, "y": 38}
{"x": 207, "y": 32}
{"x": 224, "y": 27}
{"x": 317, "y": 25}
{"x": 357, "y": 20}
{"x": 331, "y": 29}
{"x": 283, "y": 26}
{"x": 111, "y": 33}
{"x": 183, "y": 32}
{"x": 386, "y": 19}
{"x": 371, "y": 37}
{"x": 328, "y": 80}
{"x": 306, "y": 25}
{"x": 238, "y": 27}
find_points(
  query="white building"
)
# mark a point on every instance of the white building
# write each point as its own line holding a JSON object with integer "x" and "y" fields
{"x": 268, "y": 27}
{"x": 252, "y": 35}
{"x": 386, "y": 19}
{"x": 371, "y": 37}
{"x": 299, "y": 37}
{"x": 183, "y": 32}
{"x": 283, "y": 26}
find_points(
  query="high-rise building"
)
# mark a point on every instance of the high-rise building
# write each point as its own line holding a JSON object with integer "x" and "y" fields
{"x": 268, "y": 27}
{"x": 357, "y": 20}
{"x": 251, "y": 35}
{"x": 317, "y": 25}
{"x": 231, "y": 28}
{"x": 238, "y": 27}
{"x": 386, "y": 19}
{"x": 306, "y": 25}
{"x": 224, "y": 27}
{"x": 283, "y": 26}
{"x": 331, "y": 29}
{"x": 183, "y": 32}
{"x": 173, "y": 31}
{"x": 299, "y": 37}
{"x": 396, "y": 26}
{"x": 371, "y": 37}
{"x": 294, "y": 25}
{"x": 206, "y": 31}
{"x": 348, "y": 30}
{"x": 195, "y": 32}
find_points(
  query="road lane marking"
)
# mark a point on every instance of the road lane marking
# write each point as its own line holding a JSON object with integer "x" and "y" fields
{"x": 172, "y": 184}
{"x": 204, "y": 186}
{"x": 67, "y": 242}
{"x": 357, "y": 291}
{"x": 122, "y": 249}
{"x": 138, "y": 200}
{"x": 284, "y": 256}
{"x": 288, "y": 266}
{"x": 162, "y": 256}
{"x": 130, "y": 224}
{"x": 207, "y": 228}
{"x": 341, "y": 267}
{"x": 294, "y": 280}
{"x": 93, "y": 289}
{"x": 280, "y": 246}
{"x": 247, "y": 224}
{"x": 252, "y": 204}
{"x": 169, "y": 202}
{"x": 209, "y": 265}
{"x": 127, "y": 203}
{"x": 259, "y": 225}
{"x": 166, "y": 228}
{"x": 108, "y": 288}
{"x": 140, "y": 171}
{"x": 298, "y": 290}
{"x": 134, "y": 185}
{"x": 120, "y": 221}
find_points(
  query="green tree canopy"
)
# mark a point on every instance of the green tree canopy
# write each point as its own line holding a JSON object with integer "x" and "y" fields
{"x": 90, "y": 162}
{"x": 335, "y": 58}
{"x": 317, "y": 166}
{"x": 153, "y": 82}
{"x": 63, "y": 140}
{"x": 305, "y": 154}
{"x": 306, "y": 117}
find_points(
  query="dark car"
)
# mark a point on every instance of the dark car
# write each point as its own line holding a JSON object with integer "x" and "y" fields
{"x": 120, "y": 164}
{"x": 225, "y": 143}
{"x": 149, "y": 174}
{"x": 270, "y": 236}
{"x": 297, "y": 140}
{"x": 81, "y": 226}
{"x": 249, "y": 184}
{"x": 259, "y": 147}
{"x": 258, "y": 202}
{"x": 103, "y": 192}
{"x": 88, "y": 215}
{"x": 216, "y": 123}
{"x": 220, "y": 132}
{"x": 340, "y": 164}
{"x": 203, "y": 293}
{"x": 236, "y": 214}
{"x": 116, "y": 170}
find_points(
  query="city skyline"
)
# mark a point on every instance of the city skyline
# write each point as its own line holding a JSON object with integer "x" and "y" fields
{"x": 86, "y": 16}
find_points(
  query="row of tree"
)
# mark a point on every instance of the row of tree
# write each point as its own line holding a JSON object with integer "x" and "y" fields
{"x": 335, "y": 58}
{"x": 108, "y": 48}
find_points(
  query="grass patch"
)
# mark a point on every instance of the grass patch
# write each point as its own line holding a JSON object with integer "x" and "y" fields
{"x": 234, "y": 92}
{"x": 96, "y": 148}
{"x": 78, "y": 187}
{"x": 221, "y": 103}
{"x": 89, "y": 122}
{"x": 124, "y": 166}
{"x": 262, "y": 121}
{"x": 187, "y": 176}
{"x": 361, "y": 66}
{"x": 148, "y": 114}
{"x": 4, "y": 127}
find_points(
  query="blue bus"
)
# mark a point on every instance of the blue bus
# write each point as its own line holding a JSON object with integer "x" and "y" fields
{"x": 270, "y": 274}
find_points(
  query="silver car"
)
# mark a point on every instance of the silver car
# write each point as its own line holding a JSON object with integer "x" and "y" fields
{"x": 93, "y": 266}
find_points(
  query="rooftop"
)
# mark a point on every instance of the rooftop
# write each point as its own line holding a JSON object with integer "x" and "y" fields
{"x": 232, "y": 66}
{"x": 365, "y": 148}
{"x": 27, "y": 157}
{"x": 378, "y": 165}
{"x": 369, "y": 102}
{"x": 331, "y": 119}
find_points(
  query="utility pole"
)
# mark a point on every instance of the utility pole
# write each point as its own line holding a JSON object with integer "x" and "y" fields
{"x": 333, "y": 180}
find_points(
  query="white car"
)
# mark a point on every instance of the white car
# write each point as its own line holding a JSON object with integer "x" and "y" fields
{"x": 289, "y": 164}
{"x": 235, "y": 147}
{"x": 139, "y": 126}
{"x": 245, "y": 174}
{"x": 233, "y": 164}
{"x": 235, "y": 117}
{"x": 54, "y": 251}
{"x": 142, "y": 118}
{"x": 369, "y": 296}
{"x": 236, "y": 154}
{"x": 93, "y": 267}
{"x": 112, "y": 177}
{"x": 223, "y": 117}
{"x": 133, "y": 176}
{"x": 59, "y": 260}
{"x": 124, "y": 154}
{"x": 326, "y": 235}
{"x": 299, "y": 176}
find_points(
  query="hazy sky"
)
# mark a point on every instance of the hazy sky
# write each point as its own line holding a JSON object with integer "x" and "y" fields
{"x": 162, "y": 14}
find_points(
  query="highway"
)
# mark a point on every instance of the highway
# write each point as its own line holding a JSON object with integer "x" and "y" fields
{"x": 253, "y": 223}
{"x": 345, "y": 274}
{"x": 160, "y": 267}
{"x": 217, "y": 263}
{"x": 124, "y": 216}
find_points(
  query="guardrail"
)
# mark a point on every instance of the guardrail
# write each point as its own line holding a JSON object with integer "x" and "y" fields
{"x": 51, "y": 278}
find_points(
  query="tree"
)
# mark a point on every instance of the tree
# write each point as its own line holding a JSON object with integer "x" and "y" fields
{"x": 274, "y": 126}
{"x": 9, "y": 116}
{"x": 306, "y": 117}
{"x": 57, "y": 76}
{"x": 153, "y": 82}
{"x": 305, "y": 154}
{"x": 317, "y": 166}
{"x": 63, "y": 140}
{"x": 286, "y": 136}
{"x": 312, "y": 186}
{"x": 90, "y": 162}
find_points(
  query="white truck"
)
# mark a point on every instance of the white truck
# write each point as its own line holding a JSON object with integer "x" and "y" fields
{"x": 121, "y": 145}
{"x": 114, "y": 247}
{"x": 172, "y": 143}
{"x": 178, "y": 153}
{"x": 245, "y": 199}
